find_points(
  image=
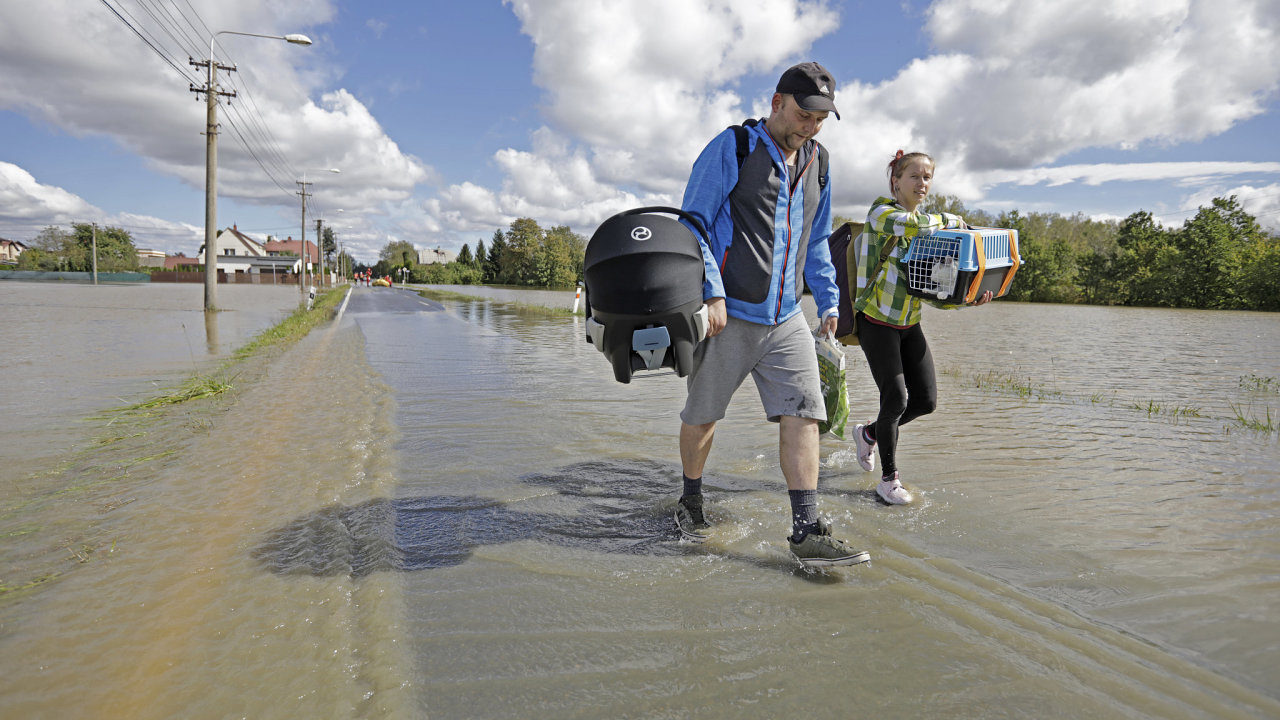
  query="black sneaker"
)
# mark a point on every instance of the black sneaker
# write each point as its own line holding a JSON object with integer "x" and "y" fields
{"x": 689, "y": 518}
{"x": 819, "y": 549}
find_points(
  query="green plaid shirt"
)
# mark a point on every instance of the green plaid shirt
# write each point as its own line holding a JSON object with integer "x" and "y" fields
{"x": 887, "y": 221}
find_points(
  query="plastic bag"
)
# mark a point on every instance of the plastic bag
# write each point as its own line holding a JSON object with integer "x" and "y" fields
{"x": 835, "y": 393}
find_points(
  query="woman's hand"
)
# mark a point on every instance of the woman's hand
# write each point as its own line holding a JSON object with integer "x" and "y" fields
{"x": 984, "y": 298}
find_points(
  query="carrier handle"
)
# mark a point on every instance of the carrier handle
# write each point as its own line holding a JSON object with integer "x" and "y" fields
{"x": 670, "y": 211}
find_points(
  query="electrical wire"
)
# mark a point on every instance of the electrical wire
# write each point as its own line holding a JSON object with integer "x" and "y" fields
{"x": 177, "y": 68}
{"x": 244, "y": 120}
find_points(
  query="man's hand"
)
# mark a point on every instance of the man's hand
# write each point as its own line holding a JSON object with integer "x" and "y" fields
{"x": 829, "y": 326}
{"x": 716, "y": 316}
{"x": 984, "y": 298}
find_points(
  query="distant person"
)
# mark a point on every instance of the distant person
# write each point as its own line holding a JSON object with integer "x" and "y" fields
{"x": 889, "y": 319}
{"x": 768, "y": 213}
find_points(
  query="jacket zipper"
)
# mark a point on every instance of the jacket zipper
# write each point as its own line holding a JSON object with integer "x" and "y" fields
{"x": 782, "y": 280}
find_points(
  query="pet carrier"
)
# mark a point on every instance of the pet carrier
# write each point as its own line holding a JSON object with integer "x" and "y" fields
{"x": 960, "y": 265}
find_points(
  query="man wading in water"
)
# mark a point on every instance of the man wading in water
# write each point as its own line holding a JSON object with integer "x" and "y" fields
{"x": 761, "y": 193}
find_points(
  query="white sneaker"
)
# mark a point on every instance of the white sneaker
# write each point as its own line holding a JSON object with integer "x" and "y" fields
{"x": 866, "y": 450}
{"x": 891, "y": 491}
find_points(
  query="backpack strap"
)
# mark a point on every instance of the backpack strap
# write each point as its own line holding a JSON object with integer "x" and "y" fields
{"x": 740, "y": 136}
{"x": 871, "y": 281}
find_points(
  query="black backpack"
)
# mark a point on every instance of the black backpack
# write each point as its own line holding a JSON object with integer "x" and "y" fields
{"x": 844, "y": 257}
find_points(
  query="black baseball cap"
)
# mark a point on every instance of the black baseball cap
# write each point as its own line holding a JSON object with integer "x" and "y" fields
{"x": 812, "y": 85}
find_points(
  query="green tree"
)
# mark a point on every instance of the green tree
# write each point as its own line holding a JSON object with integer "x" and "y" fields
{"x": 1211, "y": 247}
{"x": 48, "y": 250}
{"x": 559, "y": 259}
{"x": 480, "y": 255}
{"x": 1142, "y": 260}
{"x": 492, "y": 269}
{"x": 464, "y": 255}
{"x": 935, "y": 204}
{"x": 519, "y": 262}
{"x": 329, "y": 243}
{"x": 116, "y": 252}
{"x": 1259, "y": 276}
{"x": 399, "y": 253}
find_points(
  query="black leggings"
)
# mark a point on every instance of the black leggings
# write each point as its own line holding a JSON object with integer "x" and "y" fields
{"x": 902, "y": 367}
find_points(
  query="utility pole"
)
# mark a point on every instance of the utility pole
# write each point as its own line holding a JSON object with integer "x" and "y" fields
{"x": 303, "y": 276}
{"x": 320, "y": 246}
{"x": 211, "y": 93}
{"x": 95, "y": 253}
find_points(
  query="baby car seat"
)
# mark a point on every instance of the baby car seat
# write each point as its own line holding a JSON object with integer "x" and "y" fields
{"x": 643, "y": 274}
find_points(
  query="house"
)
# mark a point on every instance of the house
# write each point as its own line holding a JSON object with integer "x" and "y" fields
{"x": 239, "y": 253}
{"x": 9, "y": 251}
{"x": 151, "y": 258}
{"x": 431, "y": 257}
{"x": 291, "y": 247}
{"x": 181, "y": 262}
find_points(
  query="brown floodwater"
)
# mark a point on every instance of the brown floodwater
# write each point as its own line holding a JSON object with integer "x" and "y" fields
{"x": 450, "y": 509}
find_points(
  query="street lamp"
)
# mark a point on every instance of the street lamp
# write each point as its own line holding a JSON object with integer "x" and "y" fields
{"x": 211, "y": 159}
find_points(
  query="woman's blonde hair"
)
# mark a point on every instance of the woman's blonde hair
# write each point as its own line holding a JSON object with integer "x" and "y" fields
{"x": 899, "y": 163}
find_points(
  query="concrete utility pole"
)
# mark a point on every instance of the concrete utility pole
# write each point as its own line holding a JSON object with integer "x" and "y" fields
{"x": 211, "y": 94}
{"x": 320, "y": 246}
{"x": 95, "y": 253}
{"x": 303, "y": 276}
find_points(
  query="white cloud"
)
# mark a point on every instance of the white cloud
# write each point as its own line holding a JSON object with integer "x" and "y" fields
{"x": 1186, "y": 173}
{"x": 640, "y": 87}
{"x": 26, "y": 201}
{"x": 634, "y": 90}
{"x": 88, "y": 74}
{"x": 1261, "y": 202}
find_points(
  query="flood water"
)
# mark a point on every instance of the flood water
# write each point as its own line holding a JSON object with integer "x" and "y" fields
{"x": 450, "y": 509}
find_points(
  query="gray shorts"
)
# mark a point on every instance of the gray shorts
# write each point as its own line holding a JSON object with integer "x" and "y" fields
{"x": 780, "y": 358}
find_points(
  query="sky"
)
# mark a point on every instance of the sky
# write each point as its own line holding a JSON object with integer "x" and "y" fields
{"x": 448, "y": 120}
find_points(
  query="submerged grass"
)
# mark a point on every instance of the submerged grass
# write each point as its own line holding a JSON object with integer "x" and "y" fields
{"x": 1009, "y": 383}
{"x": 1259, "y": 384}
{"x": 127, "y": 442}
{"x": 1246, "y": 419}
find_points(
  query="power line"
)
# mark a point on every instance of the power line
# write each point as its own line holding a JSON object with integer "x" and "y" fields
{"x": 178, "y": 69}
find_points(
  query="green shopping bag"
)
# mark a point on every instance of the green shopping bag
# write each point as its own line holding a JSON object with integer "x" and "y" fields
{"x": 831, "y": 370}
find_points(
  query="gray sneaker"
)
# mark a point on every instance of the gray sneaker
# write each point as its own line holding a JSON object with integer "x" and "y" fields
{"x": 689, "y": 518}
{"x": 819, "y": 549}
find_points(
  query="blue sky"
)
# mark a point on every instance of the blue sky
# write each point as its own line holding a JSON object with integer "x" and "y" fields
{"x": 449, "y": 120}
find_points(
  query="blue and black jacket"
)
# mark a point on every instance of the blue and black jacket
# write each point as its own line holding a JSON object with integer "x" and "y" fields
{"x": 761, "y": 231}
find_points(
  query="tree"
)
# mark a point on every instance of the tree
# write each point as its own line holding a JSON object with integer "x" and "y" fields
{"x": 464, "y": 255}
{"x": 480, "y": 256}
{"x": 1259, "y": 276}
{"x": 1211, "y": 246}
{"x": 48, "y": 251}
{"x": 399, "y": 253}
{"x": 493, "y": 263}
{"x": 936, "y": 204}
{"x": 1138, "y": 269}
{"x": 395, "y": 255}
{"x": 328, "y": 243}
{"x": 116, "y": 252}
{"x": 524, "y": 239}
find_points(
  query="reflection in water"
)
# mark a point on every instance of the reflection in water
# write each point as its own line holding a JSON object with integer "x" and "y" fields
{"x": 440, "y": 531}
{"x": 211, "y": 331}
